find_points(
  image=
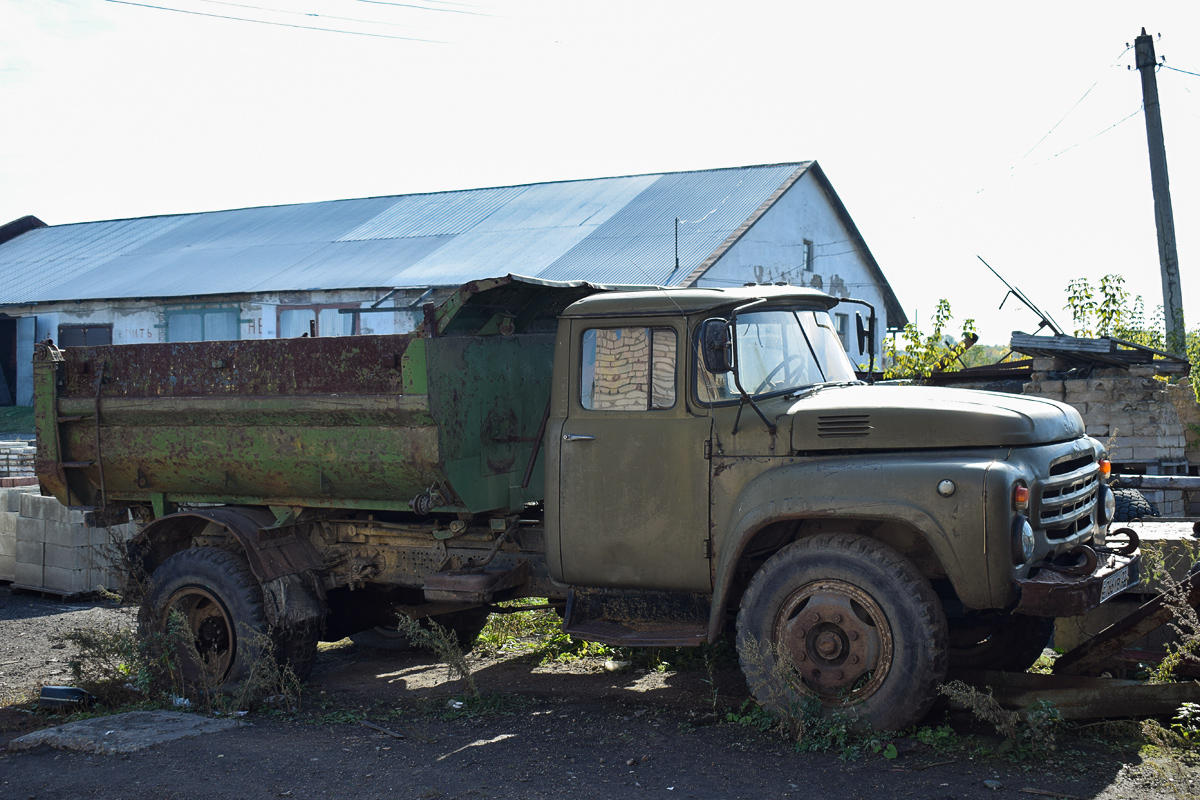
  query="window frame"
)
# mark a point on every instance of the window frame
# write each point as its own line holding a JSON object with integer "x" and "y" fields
{"x": 85, "y": 327}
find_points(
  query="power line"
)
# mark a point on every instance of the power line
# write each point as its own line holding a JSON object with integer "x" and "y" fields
{"x": 1184, "y": 71}
{"x": 427, "y": 8}
{"x": 277, "y": 24}
{"x": 307, "y": 14}
{"x": 1085, "y": 141}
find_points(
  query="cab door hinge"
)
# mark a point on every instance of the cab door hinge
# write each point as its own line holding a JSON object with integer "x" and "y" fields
{"x": 707, "y": 544}
{"x": 708, "y": 448}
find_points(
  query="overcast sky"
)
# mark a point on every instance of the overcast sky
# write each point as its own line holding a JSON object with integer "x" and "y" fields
{"x": 1009, "y": 130}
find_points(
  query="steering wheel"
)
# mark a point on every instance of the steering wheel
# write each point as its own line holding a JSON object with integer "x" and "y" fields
{"x": 766, "y": 382}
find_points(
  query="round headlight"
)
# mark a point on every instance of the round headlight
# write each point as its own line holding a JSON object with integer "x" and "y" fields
{"x": 1023, "y": 540}
{"x": 1108, "y": 505}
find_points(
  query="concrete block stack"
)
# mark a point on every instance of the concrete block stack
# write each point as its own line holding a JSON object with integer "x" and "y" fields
{"x": 10, "y": 507}
{"x": 54, "y": 551}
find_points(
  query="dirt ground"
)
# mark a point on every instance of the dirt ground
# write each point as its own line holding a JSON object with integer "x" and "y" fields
{"x": 563, "y": 731}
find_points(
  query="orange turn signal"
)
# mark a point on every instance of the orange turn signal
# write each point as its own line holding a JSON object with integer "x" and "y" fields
{"x": 1021, "y": 497}
{"x": 1105, "y": 467}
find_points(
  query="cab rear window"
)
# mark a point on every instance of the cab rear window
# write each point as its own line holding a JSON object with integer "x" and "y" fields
{"x": 628, "y": 369}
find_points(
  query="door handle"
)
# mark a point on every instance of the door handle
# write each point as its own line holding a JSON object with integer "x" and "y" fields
{"x": 578, "y": 437}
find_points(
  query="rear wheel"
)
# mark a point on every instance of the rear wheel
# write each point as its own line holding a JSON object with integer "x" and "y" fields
{"x": 847, "y": 622}
{"x": 220, "y": 605}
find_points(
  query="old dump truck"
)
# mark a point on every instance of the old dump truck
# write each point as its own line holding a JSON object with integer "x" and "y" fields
{"x": 666, "y": 465}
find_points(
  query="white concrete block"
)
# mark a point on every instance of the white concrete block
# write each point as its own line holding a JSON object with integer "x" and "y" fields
{"x": 31, "y": 530}
{"x": 8, "y": 567}
{"x": 65, "y": 533}
{"x": 28, "y": 574}
{"x": 31, "y": 553}
{"x": 63, "y": 557}
{"x": 68, "y": 581}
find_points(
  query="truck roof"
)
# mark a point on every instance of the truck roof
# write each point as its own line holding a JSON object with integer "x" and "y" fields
{"x": 676, "y": 300}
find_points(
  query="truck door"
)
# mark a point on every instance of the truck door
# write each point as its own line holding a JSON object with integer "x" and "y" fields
{"x": 633, "y": 479}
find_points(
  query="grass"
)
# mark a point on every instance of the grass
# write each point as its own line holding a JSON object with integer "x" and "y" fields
{"x": 16, "y": 419}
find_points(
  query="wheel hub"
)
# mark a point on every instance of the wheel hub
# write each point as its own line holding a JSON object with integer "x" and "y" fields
{"x": 836, "y": 638}
{"x": 210, "y": 629}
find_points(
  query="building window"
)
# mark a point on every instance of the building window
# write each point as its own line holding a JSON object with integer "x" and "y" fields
{"x": 628, "y": 369}
{"x": 806, "y": 255}
{"x": 84, "y": 335}
{"x": 202, "y": 324}
{"x": 315, "y": 320}
{"x": 843, "y": 329}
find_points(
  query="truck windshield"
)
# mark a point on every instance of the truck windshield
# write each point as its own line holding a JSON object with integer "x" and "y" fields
{"x": 779, "y": 350}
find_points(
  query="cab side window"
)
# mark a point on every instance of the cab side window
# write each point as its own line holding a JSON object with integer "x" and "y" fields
{"x": 628, "y": 369}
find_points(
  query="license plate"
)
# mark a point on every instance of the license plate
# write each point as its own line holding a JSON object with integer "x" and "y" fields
{"x": 1117, "y": 582}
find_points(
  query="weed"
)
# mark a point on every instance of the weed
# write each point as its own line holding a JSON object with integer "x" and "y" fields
{"x": 1187, "y": 724}
{"x": 941, "y": 738}
{"x": 444, "y": 644}
{"x": 118, "y": 666}
{"x": 1031, "y": 734}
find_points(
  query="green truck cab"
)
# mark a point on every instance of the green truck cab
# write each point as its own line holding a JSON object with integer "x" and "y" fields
{"x": 669, "y": 466}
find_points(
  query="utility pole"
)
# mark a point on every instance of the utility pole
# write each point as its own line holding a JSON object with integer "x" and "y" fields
{"x": 1164, "y": 220}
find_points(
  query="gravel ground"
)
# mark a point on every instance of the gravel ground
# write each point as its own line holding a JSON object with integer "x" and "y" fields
{"x": 564, "y": 731}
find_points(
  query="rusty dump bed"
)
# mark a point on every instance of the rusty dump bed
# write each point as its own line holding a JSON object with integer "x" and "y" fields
{"x": 446, "y": 417}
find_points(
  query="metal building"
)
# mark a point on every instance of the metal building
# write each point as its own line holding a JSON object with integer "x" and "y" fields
{"x": 368, "y": 265}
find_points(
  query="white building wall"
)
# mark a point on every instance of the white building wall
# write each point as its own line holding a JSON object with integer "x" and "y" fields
{"x": 773, "y": 250}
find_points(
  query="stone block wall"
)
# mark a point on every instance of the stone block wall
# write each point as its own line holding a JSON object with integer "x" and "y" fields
{"x": 1133, "y": 414}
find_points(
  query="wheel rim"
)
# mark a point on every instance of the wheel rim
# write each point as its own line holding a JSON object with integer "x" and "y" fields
{"x": 210, "y": 628}
{"x": 834, "y": 640}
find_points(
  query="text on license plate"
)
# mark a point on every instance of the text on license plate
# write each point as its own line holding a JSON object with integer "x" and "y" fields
{"x": 1117, "y": 582}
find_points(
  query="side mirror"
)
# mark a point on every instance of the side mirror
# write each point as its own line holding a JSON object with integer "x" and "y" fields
{"x": 866, "y": 336}
{"x": 716, "y": 345}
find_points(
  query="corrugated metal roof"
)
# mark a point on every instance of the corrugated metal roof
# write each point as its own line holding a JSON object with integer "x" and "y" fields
{"x": 609, "y": 230}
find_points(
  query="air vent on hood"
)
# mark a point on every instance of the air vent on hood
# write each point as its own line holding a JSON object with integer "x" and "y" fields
{"x": 844, "y": 426}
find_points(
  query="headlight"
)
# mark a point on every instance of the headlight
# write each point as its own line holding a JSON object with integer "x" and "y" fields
{"x": 1108, "y": 505}
{"x": 1023, "y": 540}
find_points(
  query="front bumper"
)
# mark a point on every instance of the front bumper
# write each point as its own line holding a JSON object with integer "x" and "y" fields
{"x": 1054, "y": 594}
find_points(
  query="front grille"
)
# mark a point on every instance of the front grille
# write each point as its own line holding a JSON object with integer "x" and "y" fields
{"x": 844, "y": 426}
{"x": 1067, "y": 503}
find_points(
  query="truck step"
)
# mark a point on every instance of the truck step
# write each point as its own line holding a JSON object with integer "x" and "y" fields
{"x": 615, "y": 633}
{"x": 637, "y": 617}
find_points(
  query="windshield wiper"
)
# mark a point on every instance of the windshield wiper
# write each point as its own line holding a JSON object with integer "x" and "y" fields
{"x": 811, "y": 390}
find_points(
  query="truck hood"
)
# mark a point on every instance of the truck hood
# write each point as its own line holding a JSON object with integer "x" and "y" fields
{"x": 903, "y": 417}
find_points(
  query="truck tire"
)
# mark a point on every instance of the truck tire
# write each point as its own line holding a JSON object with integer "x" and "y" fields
{"x": 221, "y": 604}
{"x": 466, "y": 625}
{"x": 847, "y": 621}
{"x": 1132, "y": 505}
{"x": 1005, "y": 642}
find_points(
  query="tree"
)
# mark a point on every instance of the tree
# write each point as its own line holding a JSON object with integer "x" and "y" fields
{"x": 919, "y": 353}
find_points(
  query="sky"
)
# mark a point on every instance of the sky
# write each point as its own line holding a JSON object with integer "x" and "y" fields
{"x": 951, "y": 131}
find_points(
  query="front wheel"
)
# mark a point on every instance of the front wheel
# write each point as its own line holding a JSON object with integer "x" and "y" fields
{"x": 847, "y": 622}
